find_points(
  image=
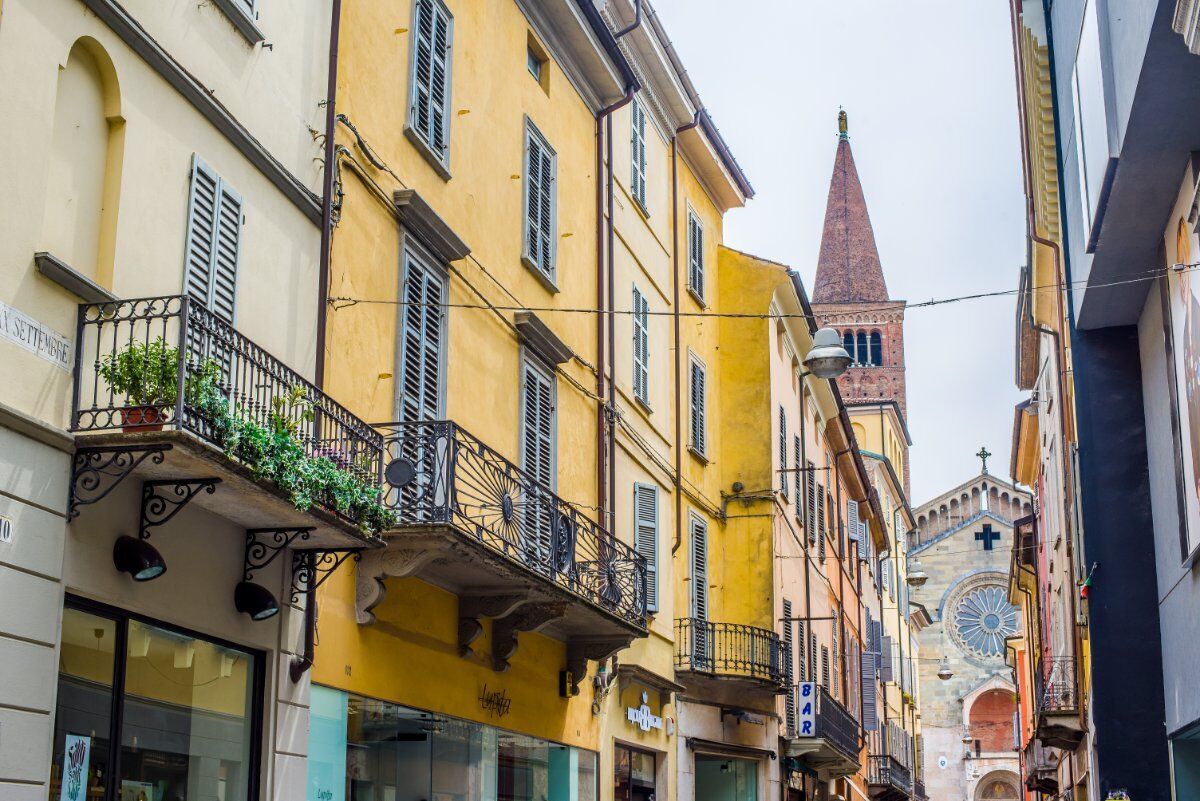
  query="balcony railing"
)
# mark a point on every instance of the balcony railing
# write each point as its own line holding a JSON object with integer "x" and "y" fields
{"x": 437, "y": 474}
{"x": 1039, "y": 771}
{"x": 169, "y": 362}
{"x": 727, "y": 649}
{"x": 832, "y": 722}
{"x": 1058, "y": 692}
{"x": 919, "y": 790}
{"x": 883, "y": 769}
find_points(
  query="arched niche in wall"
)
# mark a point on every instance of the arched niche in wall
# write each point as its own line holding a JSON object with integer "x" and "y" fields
{"x": 83, "y": 181}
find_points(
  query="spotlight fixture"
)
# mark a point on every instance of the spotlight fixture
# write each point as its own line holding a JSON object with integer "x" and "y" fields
{"x": 255, "y": 600}
{"x": 827, "y": 359}
{"x": 944, "y": 672}
{"x": 138, "y": 558}
{"x": 916, "y": 574}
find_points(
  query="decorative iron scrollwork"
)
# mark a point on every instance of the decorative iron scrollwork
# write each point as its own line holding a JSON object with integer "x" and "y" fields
{"x": 311, "y": 569}
{"x": 162, "y": 500}
{"x": 264, "y": 544}
{"x": 97, "y": 471}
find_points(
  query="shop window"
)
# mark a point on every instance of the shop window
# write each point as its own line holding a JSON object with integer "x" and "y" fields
{"x": 363, "y": 749}
{"x": 721, "y": 778}
{"x": 185, "y": 708}
{"x": 633, "y": 775}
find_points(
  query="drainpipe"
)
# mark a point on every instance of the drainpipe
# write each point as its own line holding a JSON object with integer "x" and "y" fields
{"x": 605, "y": 464}
{"x": 675, "y": 323}
{"x": 637, "y": 20}
{"x": 335, "y": 25}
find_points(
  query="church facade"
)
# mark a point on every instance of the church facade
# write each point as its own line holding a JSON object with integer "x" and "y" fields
{"x": 964, "y": 542}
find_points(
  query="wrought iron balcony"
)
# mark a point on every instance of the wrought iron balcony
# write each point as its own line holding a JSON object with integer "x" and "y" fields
{"x": 1059, "y": 719}
{"x": 1039, "y": 769}
{"x": 729, "y": 650}
{"x": 887, "y": 777}
{"x": 828, "y": 737}
{"x": 919, "y": 790}
{"x": 440, "y": 479}
{"x": 166, "y": 376}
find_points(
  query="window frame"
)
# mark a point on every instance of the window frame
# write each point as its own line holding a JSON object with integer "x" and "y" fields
{"x": 122, "y": 618}
{"x": 243, "y": 18}
{"x": 548, "y": 277}
{"x": 696, "y": 290}
{"x": 440, "y": 163}
{"x": 697, "y": 423}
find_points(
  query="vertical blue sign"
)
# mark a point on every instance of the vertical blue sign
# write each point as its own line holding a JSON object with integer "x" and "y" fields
{"x": 806, "y": 718}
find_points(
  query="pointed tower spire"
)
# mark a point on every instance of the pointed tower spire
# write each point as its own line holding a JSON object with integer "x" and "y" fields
{"x": 848, "y": 269}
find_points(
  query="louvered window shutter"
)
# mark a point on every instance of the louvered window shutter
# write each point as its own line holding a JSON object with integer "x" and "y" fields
{"x": 638, "y": 152}
{"x": 825, "y": 666}
{"x": 213, "y": 245}
{"x": 797, "y": 477}
{"x": 821, "y": 521}
{"x": 783, "y": 452}
{"x": 540, "y": 202}
{"x": 870, "y": 673}
{"x": 852, "y": 523}
{"x": 695, "y": 255}
{"x": 812, "y": 655}
{"x": 429, "y": 116}
{"x": 699, "y": 569}
{"x": 419, "y": 389}
{"x": 698, "y": 410}
{"x": 837, "y": 652}
{"x": 641, "y": 347}
{"x": 537, "y": 454}
{"x": 788, "y": 667}
{"x": 645, "y": 509}
{"x": 886, "y": 668}
{"x": 810, "y": 482}
{"x": 802, "y": 656}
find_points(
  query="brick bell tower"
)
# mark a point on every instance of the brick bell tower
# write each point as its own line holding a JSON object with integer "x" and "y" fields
{"x": 850, "y": 294}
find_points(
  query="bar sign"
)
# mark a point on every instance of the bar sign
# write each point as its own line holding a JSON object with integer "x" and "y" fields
{"x": 806, "y": 713}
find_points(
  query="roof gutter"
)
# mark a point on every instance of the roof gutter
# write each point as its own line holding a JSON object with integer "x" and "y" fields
{"x": 609, "y": 43}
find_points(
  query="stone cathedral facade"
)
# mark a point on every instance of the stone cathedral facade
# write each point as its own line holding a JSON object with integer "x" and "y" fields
{"x": 964, "y": 542}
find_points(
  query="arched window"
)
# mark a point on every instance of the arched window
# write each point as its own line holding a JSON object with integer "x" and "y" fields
{"x": 864, "y": 354}
{"x": 876, "y": 349}
{"x": 848, "y": 344}
{"x": 991, "y": 721}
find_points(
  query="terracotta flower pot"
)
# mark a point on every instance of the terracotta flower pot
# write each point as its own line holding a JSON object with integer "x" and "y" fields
{"x": 141, "y": 418}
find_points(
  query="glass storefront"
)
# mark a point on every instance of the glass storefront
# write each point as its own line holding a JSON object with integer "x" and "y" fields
{"x": 721, "y": 778}
{"x": 361, "y": 749}
{"x": 633, "y": 774}
{"x": 182, "y": 708}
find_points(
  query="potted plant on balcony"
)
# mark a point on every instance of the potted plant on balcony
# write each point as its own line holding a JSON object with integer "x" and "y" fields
{"x": 147, "y": 374}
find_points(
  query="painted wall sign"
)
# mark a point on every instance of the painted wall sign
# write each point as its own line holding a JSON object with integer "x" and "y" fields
{"x": 495, "y": 702}
{"x": 806, "y": 719}
{"x": 34, "y": 337}
{"x": 642, "y": 716}
{"x": 76, "y": 752}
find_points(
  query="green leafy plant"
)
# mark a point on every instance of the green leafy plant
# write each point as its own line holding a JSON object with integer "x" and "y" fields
{"x": 147, "y": 373}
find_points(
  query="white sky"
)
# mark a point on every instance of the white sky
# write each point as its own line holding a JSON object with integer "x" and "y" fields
{"x": 929, "y": 90}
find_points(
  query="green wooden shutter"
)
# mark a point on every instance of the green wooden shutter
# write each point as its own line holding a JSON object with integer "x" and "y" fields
{"x": 537, "y": 456}
{"x": 420, "y": 356}
{"x": 213, "y": 245}
{"x": 869, "y": 667}
{"x": 699, "y": 426}
{"x": 638, "y": 152}
{"x": 641, "y": 347}
{"x": 695, "y": 255}
{"x": 540, "y": 202}
{"x": 699, "y": 569}
{"x": 645, "y": 513}
{"x": 852, "y": 524}
{"x": 431, "y": 76}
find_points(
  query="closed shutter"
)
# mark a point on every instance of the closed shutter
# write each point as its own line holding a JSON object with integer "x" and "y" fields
{"x": 699, "y": 592}
{"x": 419, "y": 390}
{"x": 698, "y": 409}
{"x": 812, "y": 656}
{"x": 645, "y": 512}
{"x": 802, "y": 656}
{"x": 637, "y": 152}
{"x": 641, "y": 347}
{"x": 788, "y": 667}
{"x": 810, "y": 483}
{"x": 837, "y": 652}
{"x": 540, "y": 206}
{"x": 870, "y": 675}
{"x": 820, "y": 521}
{"x": 783, "y": 452}
{"x": 852, "y": 524}
{"x": 213, "y": 245}
{"x": 537, "y": 456}
{"x": 825, "y": 667}
{"x": 695, "y": 255}
{"x": 797, "y": 477}
{"x": 886, "y": 665}
{"x": 431, "y": 76}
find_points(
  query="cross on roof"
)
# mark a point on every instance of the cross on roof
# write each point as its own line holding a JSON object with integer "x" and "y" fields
{"x": 983, "y": 454}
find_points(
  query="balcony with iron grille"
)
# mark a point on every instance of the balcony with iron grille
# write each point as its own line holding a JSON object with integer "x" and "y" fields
{"x": 826, "y": 737}
{"x": 169, "y": 393}
{"x": 1059, "y": 710}
{"x": 889, "y": 776}
{"x": 472, "y": 522}
{"x": 919, "y": 793}
{"x": 723, "y": 661}
{"x": 1039, "y": 768}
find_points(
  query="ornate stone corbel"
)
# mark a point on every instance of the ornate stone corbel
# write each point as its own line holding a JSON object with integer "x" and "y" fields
{"x": 478, "y": 605}
{"x": 530, "y": 616}
{"x": 398, "y": 560}
{"x": 582, "y": 649}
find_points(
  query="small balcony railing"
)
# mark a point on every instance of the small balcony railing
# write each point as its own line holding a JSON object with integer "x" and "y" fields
{"x": 919, "y": 790}
{"x": 170, "y": 363}
{"x": 884, "y": 769}
{"x": 832, "y": 721}
{"x": 1058, "y": 691}
{"x": 1039, "y": 771}
{"x": 890, "y": 758}
{"x": 437, "y": 474}
{"x": 727, "y": 649}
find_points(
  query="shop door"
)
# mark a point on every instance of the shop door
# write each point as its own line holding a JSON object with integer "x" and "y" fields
{"x": 725, "y": 779}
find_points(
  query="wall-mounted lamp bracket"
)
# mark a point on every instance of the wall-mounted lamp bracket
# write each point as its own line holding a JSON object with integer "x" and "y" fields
{"x": 162, "y": 500}
{"x": 264, "y": 544}
{"x": 311, "y": 569}
{"x": 95, "y": 472}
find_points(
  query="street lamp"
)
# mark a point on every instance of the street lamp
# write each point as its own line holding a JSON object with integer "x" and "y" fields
{"x": 944, "y": 672}
{"x": 827, "y": 359}
{"x": 916, "y": 575}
